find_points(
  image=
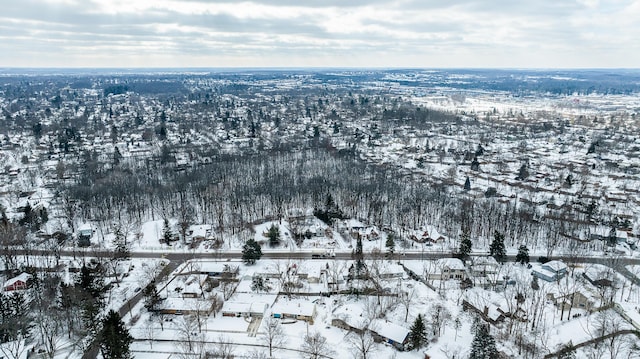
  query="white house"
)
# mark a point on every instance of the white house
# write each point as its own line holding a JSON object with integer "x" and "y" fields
{"x": 446, "y": 269}
{"x": 299, "y": 309}
{"x": 389, "y": 332}
{"x": 551, "y": 271}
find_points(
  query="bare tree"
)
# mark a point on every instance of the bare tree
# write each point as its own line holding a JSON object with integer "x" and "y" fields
{"x": 362, "y": 344}
{"x": 315, "y": 346}
{"x": 334, "y": 272}
{"x": 216, "y": 303}
{"x": 257, "y": 354}
{"x": 187, "y": 328}
{"x": 406, "y": 298}
{"x": 223, "y": 348}
{"x": 273, "y": 335}
{"x": 50, "y": 328}
{"x": 150, "y": 332}
{"x": 14, "y": 349}
{"x": 439, "y": 315}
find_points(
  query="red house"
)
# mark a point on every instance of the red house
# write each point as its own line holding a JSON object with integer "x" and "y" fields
{"x": 17, "y": 283}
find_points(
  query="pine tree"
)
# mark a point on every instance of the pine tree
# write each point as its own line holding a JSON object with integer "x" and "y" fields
{"x": 390, "y": 244}
{"x": 568, "y": 351}
{"x": 496, "y": 249}
{"x": 523, "y": 255}
{"x": 274, "y": 235}
{"x": 167, "y": 234}
{"x": 467, "y": 184}
{"x": 151, "y": 297}
{"x": 534, "y": 283}
{"x": 483, "y": 345}
{"x": 117, "y": 156}
{"x": 523, "y": 172}
{"x": 122, "y": 249}
{"x": 465, "y": 246}
{"x": 251, "y": 252}
{"x": 358, "y": 257}
{"x": 114, "y": 338}
{"x": 417, "y": 334}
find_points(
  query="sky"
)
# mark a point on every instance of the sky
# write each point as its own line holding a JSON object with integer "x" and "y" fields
{"x": 320, "y": 33}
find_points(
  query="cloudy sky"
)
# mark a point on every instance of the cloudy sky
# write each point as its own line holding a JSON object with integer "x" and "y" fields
{"x": 320, "y": 33}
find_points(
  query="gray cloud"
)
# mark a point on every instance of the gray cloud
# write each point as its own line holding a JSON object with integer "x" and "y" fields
{"x": 426, "y": 33}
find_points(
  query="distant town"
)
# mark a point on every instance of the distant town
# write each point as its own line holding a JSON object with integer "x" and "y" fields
{"x": 319, "y": 214}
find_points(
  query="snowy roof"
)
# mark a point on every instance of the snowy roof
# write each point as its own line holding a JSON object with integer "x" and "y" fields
{"x": 488, "y": 260}
{"x": 556, "y": 265}
{"x": 200, "y": 230}
{"x": 186, "y": 304}
{"x": 352, "y": 314}
{"x": 23, "y": 277}
{"x": 239, "y": 307}
{"x": 215, "y": 267}
{"x": 451, "y": 263}
{"x": 389, "y": 330}
{"x": 253, "y": 297}
{"x": 391, "y": 269}
{"x": 296, "y": 307}
{"x": 598, "y": 272}
{"x": 353, "y": 223}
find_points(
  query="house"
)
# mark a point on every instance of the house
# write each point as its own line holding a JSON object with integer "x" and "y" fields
{"x": 494, "y": 313}
{"x": 388, "y": 332}
{"x": 180, "y": 306}
{"x": 351, "y": 319}
{"x": 428, "y": 234}
{"x": 551, "y": 271}
{"x": 218, "y": 269}
{"x": 300, "y": 310}
{"x": 573, "y": 300}
{"x": 447, "y": 268}
{"x": 84, "y": 235}
{"x": 194, "y": 286}
{"x": 599, "y": 275}
{"x": 391, "y": 271}
{"x": 484, "y": 266}
{"x": 245, "y": 310}
{"x": 20, "y": 282}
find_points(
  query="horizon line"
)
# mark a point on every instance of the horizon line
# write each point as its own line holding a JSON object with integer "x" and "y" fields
{"x": 283, "y": 68}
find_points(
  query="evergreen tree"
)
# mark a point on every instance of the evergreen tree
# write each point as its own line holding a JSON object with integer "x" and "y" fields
{"x": 90, "y": 282}
{"x": 167, "y": 234}
{"x": 358, "y": 256}
{"x": 274, "y": 235}
{"x": 534, "y": 283}
{"x": 567, "y": 352}
{"x": 467, "y": 184}
{"x": 523, "y": 173}
{"x": 483, "y": 345}
{"x": 251, "y": 252}
{"x": 114, "y": 338}
{"x": 568, "y": 182}
{"x": 151, "y": 297}
{"x": 117, "y": 156}
{"x": 122, "y": 249}
{"x": 497, "y": 249}
{"x": 417, "y": 334}
{"x": 523, "y": 255}
{"x": 465, "y": 246}
{"x": 390, "y": 244}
